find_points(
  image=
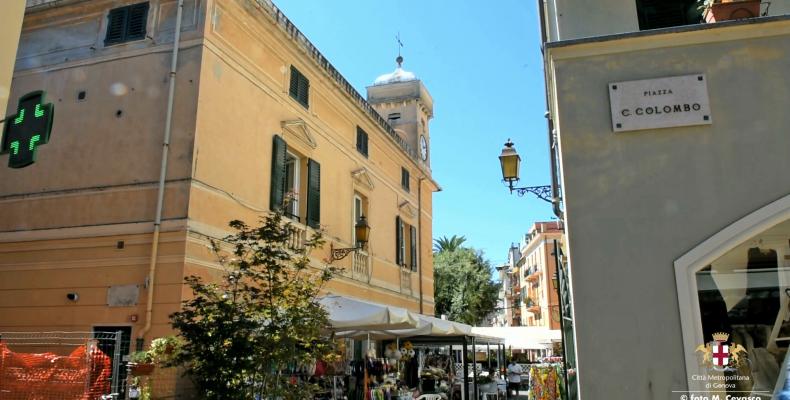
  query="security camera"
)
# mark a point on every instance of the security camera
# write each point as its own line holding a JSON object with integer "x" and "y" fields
{"x": 72, "y": 296}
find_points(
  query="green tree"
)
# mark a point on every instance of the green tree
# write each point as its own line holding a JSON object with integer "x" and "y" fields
{"x": 448, "y": 244}
{"x": 463, "y": 290}
{"x": 242, "y": 335}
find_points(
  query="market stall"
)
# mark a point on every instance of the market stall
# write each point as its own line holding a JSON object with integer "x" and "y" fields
{"x": 433, "y": 357}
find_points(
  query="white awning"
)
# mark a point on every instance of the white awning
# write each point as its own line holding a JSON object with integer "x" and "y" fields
{"x": 427, "y": 326}
{"x": 522, "y": 337}
{"x": 347, "y": 314}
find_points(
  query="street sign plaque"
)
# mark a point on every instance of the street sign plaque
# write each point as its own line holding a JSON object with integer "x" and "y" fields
{"x": 660, "y": 103}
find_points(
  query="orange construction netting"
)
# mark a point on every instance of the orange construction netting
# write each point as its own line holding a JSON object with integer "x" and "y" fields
{"x": 48, "y": 376}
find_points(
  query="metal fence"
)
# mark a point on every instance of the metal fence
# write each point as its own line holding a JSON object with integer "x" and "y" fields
{"x": 60, "y": 365}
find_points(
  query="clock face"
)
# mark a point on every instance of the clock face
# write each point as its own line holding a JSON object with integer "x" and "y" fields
{"x": 423, "y": 148}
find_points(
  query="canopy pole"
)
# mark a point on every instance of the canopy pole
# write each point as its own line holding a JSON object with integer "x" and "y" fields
{"x": 397, "y": 348}
{"x": 474, "y": 368}
{"x": 488, "y": 355}
{"x": 465, "y": 388}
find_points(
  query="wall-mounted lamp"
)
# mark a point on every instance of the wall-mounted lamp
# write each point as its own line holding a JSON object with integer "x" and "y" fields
{"x": 555, "y": 280}
{"x": 510, "y": 162}
{"x": 361, "y": 231}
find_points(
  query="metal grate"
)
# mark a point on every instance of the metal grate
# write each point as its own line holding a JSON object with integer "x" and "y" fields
{"x": 59, "y": 365}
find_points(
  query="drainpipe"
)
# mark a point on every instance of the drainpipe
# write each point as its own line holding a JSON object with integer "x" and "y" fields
{"x": 555, "y": 191}
{"x": 162, "y": 172}
{"x": 419, "y": 235}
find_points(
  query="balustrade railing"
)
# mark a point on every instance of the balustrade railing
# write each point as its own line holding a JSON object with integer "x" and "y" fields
{"x": 360, "y": 266}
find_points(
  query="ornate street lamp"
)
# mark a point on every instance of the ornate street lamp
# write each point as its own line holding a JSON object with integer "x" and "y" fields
{"x": 362, "y": 232}
{"x": 510, "y": 162}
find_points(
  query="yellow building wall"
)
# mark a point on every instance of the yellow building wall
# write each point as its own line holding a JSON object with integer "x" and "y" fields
{"x": 94, "y": 184}
{"x": 243, "y": 101}
{"x": 10, "y": 25}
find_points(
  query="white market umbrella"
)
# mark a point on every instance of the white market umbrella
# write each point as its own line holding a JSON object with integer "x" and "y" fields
{"x": 427, "y": 326}
{"x": 347, "y": 314}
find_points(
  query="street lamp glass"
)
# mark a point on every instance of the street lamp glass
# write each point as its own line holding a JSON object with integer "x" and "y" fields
{"x": 362, "y": 230}
{"x": 510, "y": 161}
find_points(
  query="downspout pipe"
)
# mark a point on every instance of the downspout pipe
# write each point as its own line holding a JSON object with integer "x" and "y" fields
{"x": 556, "y": 199}
{"x": 419, "y": 236}
{"x": 162, "y": 173}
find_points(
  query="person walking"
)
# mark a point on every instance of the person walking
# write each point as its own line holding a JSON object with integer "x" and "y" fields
{"x": 513, "y": 377}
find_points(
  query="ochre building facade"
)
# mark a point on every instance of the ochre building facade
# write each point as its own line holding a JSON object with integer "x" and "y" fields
{"x": 249, "y": 87}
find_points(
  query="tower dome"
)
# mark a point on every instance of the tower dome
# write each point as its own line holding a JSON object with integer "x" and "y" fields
{"x": 399, "y": 75}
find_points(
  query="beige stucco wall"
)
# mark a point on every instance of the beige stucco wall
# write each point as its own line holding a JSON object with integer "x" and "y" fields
{"x": 10, "y": 25}
{"x": 636, "y": 201}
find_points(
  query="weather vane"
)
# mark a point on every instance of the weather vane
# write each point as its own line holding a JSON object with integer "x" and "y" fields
{"x": 400, "y": 45}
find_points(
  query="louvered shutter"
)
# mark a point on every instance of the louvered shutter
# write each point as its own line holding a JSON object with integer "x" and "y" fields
{"x": 277, "y": 193}
{"x": 116, "y": 26}
{"x": 362, "y": 141}
{"x": 413, "y": 247}
{"x": 399, "y": 245}
{"x": 293, "y": 89}
{"x": 138, "y": 16}
{"x": 304, "y": 90}
{"x": 313, "y": 194}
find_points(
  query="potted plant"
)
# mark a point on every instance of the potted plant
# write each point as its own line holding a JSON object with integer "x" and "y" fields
{"x": 141, "y": 363}
{"x": 163, "y": 350}
{"x": 725, "y": 10}
{"x": 486, "y": 384}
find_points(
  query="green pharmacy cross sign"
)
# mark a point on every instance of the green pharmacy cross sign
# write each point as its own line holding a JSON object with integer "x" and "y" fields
{"x": 28, "y": 129}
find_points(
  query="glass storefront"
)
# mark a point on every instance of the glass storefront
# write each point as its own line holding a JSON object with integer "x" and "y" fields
{"x": 744, "y": 299}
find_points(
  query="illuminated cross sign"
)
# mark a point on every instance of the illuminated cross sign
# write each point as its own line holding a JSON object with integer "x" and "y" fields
{"x": 28, "y": 129}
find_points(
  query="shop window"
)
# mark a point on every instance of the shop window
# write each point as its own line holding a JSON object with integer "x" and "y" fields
{"x": 125, "y": 24}
{"x": 295, "y": 184}
{"x": 654, "y": 14}
{"x": 299, "y": 88}
{"x": 743, "y": 303}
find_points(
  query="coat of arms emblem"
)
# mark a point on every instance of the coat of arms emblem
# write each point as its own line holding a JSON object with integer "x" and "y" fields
{"x": 720, "y": 355}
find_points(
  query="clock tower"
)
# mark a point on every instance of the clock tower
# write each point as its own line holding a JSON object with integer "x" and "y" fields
{"x": 401, "y": 99}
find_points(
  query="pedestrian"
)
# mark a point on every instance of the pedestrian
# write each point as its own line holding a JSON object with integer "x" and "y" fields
{"x": 513, "y": 377}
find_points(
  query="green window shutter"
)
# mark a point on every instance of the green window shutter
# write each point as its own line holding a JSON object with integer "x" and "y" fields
{"x": 299, "y": 87}
{"x": 413, "y": 249}
{"x": 277, "y": 194}
{"x": 138, "y": 17}
{"x": 304, "y": 90}
{"x": 116, "y": 26}
{"x": 293, "y": 89}
{"x": 399, "y": 245}
{"x": 313, "y": 193}
{"x": 362, "y": 141}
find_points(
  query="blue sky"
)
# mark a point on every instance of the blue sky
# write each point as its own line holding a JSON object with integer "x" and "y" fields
{"x": 483, "y": 68}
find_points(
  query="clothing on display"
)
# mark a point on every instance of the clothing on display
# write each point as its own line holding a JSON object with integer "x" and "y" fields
{"x": 544, "y": 382}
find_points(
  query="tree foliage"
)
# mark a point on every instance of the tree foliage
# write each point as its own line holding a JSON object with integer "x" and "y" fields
{"x": 463, "y": 290}
{"x": 448, "y": 244}
{"x": 246, "y": 334}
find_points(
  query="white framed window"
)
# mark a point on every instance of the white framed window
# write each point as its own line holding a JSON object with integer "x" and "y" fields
{"x": 292, "y": 178}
